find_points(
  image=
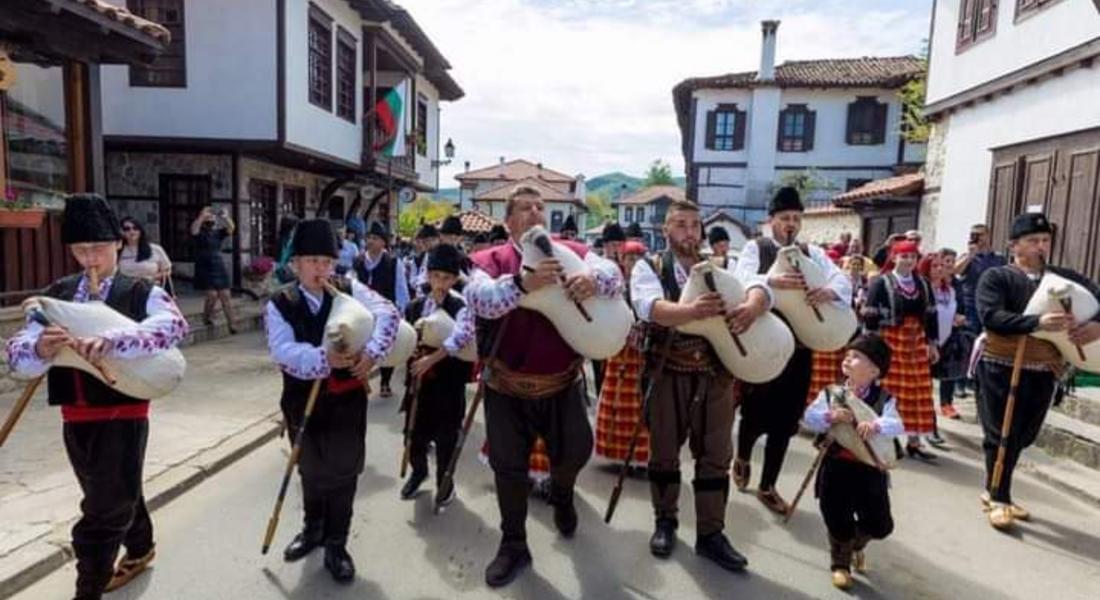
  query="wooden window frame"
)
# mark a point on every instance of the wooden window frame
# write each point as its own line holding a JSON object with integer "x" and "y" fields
{"x": 1025, "y": 9}
{"x": 796, "y": 143}
{"x": 735, "y": 135}
{"x": 346, "y": 47}
{"x": 875, "y": 135}
{"x": 145, "y": 75}
{"x": 420, "y": 126}
{"x": 969, "y": 30}
{"x": 320, "y": 95}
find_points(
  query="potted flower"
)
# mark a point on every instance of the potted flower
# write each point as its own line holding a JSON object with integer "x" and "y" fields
{"x": 16, "y": 213}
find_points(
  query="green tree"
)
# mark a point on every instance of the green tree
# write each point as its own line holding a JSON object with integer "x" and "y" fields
{"x": 807, "y": 182}
{"x": 421, "y": 210}
{"x": 914, "y": 127}
{"x": 600, "y": 211}
{"x": 659, "y": 173}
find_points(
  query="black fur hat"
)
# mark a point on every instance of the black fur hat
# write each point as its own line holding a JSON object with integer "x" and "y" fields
{"x": 873, "y": 346}
{"x": 88, "y": 218}
{"x": 445, "y": 257}
{"x": 315, "y": 237}
{"x": 570, "y": 224}
{"x": 717, "y": 234}
{"x": 1029, "y": 223}
{"x": 497, "y": 233}
{"x": 613, "y": 232}
{"x": 634, "y": 230}
{"x": 452, "y": 225}
{"x": 786, "y": 198}
{"x": 427, "y": 231}
{"x": 378, "y": 229}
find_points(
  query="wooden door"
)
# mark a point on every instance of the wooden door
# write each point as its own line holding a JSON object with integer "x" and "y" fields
{"x": 181, "y": 199}
{"x": 262, "y": 204}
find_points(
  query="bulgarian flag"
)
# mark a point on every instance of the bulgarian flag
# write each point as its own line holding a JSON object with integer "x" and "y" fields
{"x": 389, "y": 115}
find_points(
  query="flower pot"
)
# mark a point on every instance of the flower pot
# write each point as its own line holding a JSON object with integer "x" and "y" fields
{"x": 28, "y": 218}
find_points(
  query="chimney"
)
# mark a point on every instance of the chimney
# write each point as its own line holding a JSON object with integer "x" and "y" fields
{"x": 502, "y": 160}
{"x": 467, "y": 166}
{"x": 767, "y": 51}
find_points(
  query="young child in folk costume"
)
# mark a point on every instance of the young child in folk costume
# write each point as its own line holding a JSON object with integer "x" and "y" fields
{"x": 380, "y": 270}
{"x": 853, "y": 495}
{"x": 1002, "y": 295}
{"x": 620, "y": 404}
{"x": 105, "y": 432}
{"x": 773, "y": 408}
{"x": 901, "y": 307}
{"x": 441, "y": 389}
{"x": 333, "y": 446}
{"x": 532, "y": 385}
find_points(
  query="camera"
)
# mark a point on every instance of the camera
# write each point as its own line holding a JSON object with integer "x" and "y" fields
{"x": 974, "y": 238}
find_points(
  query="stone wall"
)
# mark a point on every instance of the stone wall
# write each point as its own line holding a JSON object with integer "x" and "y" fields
{"x": 826, "y": 226}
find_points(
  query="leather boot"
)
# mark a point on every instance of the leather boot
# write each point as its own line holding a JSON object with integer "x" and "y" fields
{"x": 412, "y": 486}
{"x": 717, "y": 547}
{"x": 339, "y": 563}
{"x": 840, "y": 553}
{"x": 508, "y": 563}
{"x": 663, "y": 540}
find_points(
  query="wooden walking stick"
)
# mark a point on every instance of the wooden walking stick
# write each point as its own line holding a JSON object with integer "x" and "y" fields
{"x": 18, "y": 408}
{"x": 825, "y": 445}
{"x": 410, "y": 419}
{"x": 1006, "y": 423}
{"x": 650, "y": 389}
{"x": 273, "y": 522}
{"x": 468, "y": 422}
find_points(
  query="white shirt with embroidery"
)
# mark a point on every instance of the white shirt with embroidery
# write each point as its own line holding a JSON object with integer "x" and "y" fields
{"x": 819, "y": 417}
{"x": 306, "y": 361}
{"x": 493, "y": 298}
{"x": 835, "y": 279}
{"x": 645, "y": 287}
{"x": 164, "y": 327}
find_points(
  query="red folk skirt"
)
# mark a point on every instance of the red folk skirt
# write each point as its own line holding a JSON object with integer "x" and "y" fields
{"x": 620, "y": 408}
{"x": 910, "y": 376}
{"x": 538, "y": 466}
{"x": 826, "y": 372}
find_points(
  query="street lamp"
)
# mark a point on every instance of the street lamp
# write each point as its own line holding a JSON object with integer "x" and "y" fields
{"x": 448, "y": 151}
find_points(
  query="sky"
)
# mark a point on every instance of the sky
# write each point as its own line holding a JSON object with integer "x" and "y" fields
{"x": 585, "y": 86}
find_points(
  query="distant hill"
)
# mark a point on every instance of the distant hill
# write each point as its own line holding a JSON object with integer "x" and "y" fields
{"x": 608, "y": 185}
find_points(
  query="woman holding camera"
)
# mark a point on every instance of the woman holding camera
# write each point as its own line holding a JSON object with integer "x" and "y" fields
{"x": 208, "y": 231}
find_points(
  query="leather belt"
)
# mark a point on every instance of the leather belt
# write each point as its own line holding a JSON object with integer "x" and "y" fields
{"x": 528, "y": 386}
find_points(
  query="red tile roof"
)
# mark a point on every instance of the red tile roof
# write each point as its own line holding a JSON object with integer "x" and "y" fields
{"x": 549, "y": 192}
{"x": 910, "y": 185}
{"x": 474, "y": 221}
{"x": 515, "y": 170}
{"x": 654, "y": 193}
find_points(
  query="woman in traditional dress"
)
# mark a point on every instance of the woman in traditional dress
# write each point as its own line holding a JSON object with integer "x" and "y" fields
{"x": 900, "y": 307}
{"x": 621, "y": 395}
{"x": 951, "y": 368}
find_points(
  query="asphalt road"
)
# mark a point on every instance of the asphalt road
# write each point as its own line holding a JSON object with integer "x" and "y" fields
{"x": 209, "y": 540}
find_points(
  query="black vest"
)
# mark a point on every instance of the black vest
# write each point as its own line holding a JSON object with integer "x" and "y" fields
{"x": 769, "y": 251}
{"x": 128, "y": 296}
{"x": 308, "y": 328}
{"x": 382, "y": 279}
{"x": 655, "y": 334}
{"x": 450, "y": 368}
{"x": 451, "y": 305}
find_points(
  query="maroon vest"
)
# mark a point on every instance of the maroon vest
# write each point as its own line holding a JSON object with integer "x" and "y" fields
{"x": 530, "y": 344}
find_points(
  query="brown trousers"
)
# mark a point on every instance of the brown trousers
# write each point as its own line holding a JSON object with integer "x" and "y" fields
{"x": 698, "y": 408}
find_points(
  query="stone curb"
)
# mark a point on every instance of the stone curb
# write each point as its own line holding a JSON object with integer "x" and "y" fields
{"x": 50, "y": 552}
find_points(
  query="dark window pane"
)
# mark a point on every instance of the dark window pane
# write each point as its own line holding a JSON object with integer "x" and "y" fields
{"x": 320, "y": 63}
{"x": 170, "y": 68}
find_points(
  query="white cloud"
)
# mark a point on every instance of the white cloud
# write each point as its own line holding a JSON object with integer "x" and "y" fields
{"x": 586, "y": 85}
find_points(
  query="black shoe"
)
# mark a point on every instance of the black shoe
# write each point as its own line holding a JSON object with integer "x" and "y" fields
{"x": 412, "y": 486}
{"x": 506, "y": 566}
{"x": 338, "y": 562}
{"x": 663, "y": 539}
{"x": 301, "y": 545}
{"x": 541, "y": 490}
{"x": 717, "y": 548}
{"x": 918, "y": 452}
{"x": 565, "y": 514}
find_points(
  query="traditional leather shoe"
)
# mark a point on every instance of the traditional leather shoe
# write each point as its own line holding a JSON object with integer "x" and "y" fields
{"x": 338, "y": 562}
{"x": 386, "y": 392}
{"x": 915, "y": 451}
{"x": 129, "y": 568}
{"x": 773, "y": 501}
{"x": 509, "y": 562}
{"x": 301, "y": 545}
{"x": 1000, "y": 516}
{"x": 1018, "y": 512}
{"x": 842, "y": 579}
{"x": 717, "y": 548}
{"x": 412, "y": 486}
{"x": 663, "y": 540}
{"x": 741, "y": 472}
